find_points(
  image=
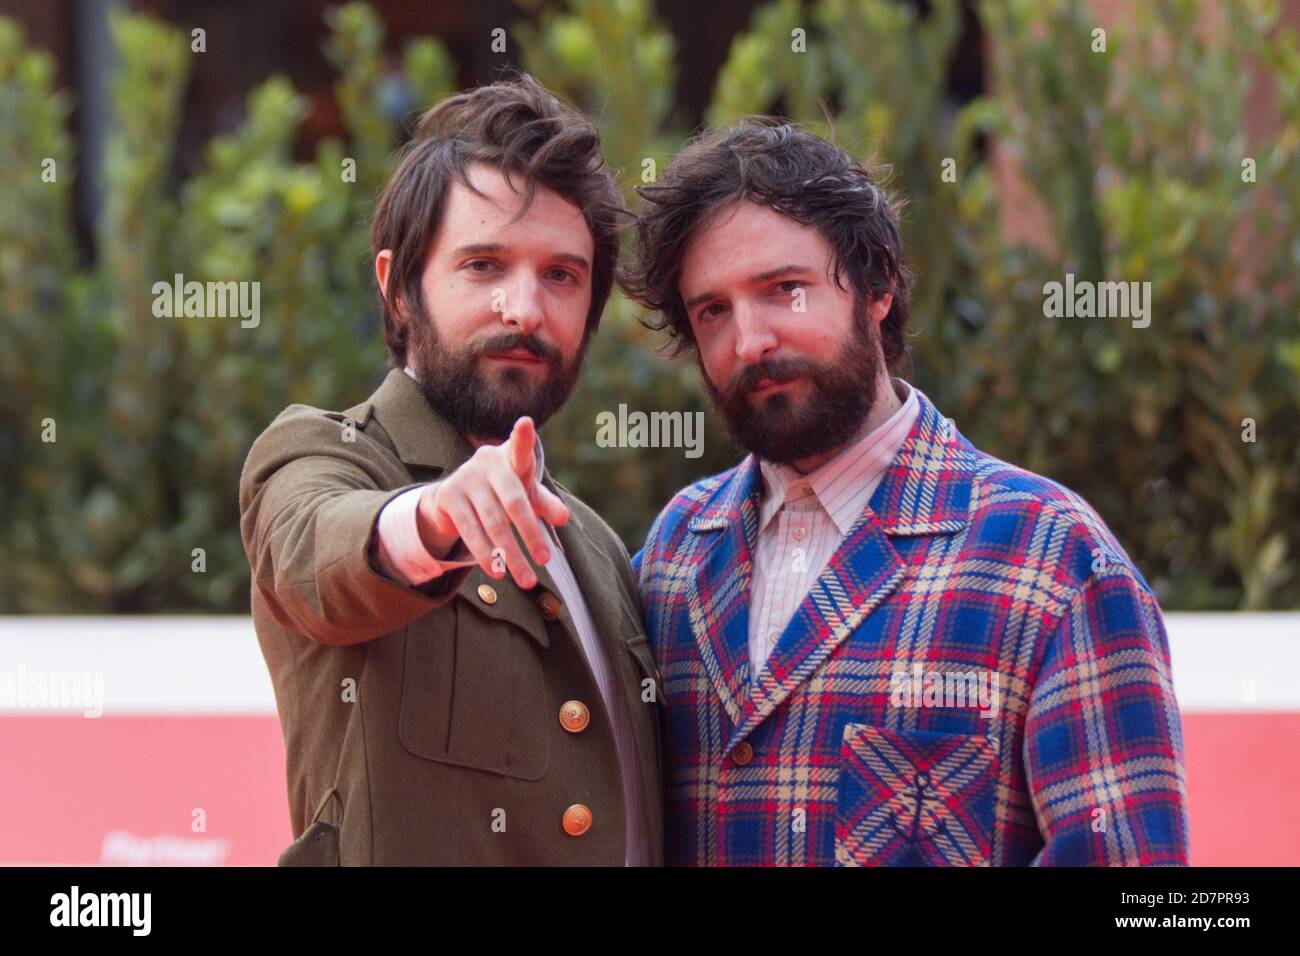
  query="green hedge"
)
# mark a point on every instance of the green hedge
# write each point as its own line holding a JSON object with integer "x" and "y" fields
{"x": 1132, "y": 165}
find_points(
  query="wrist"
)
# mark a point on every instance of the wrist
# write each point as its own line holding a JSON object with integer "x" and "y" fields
{"x": 439, "y": 542}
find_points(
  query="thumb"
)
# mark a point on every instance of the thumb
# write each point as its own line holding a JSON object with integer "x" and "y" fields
{"x": 549, "y": 506}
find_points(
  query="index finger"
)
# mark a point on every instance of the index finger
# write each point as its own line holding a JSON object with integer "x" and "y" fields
{"x": 522, "y": 450}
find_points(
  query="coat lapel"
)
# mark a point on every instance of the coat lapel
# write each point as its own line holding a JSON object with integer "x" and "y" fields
{"x": 718, "y": 589}
{"x": 925, "y": 491}
{"x": 860, "y": 575}
{"x": 596, "y": 580}
{"x": 421, "y": 438}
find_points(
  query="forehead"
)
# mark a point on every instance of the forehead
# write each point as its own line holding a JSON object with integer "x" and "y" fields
{"x": 552, "y": 223}
{"x": 744, "y": 239}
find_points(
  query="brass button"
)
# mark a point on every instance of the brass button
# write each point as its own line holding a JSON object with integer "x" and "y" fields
{"x": 487, "y": 593}
{"x": 577, "y": 820}
{"x": 574, "y": 716}
{"x": 550, "y": 605}
{"x": 742, "y": 754}
{"x": 800, "y": 533}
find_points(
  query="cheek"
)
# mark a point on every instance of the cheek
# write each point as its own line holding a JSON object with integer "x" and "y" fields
{"x": 811, "y": 339}
{"x": 817, "y": 332}
{"x": 566, "y": 320}
{"x": 457, "y": 304}
{"x": 717, "y": 361}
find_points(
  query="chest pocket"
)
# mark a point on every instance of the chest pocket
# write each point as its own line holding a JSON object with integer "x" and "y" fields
{"x": 914, "y": 798}
{"x": 474, "y": 689}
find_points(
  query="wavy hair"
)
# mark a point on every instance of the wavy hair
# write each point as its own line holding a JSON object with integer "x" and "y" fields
{"x": 516, "y": 126}
{"x": 793, "y": 171}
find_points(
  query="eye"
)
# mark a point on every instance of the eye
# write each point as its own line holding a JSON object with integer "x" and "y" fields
{"x": 789, "y": 286}
{"x": 711, "y": 311}
{"x": 474, "y": 265}
{"x": 562, "y": 275}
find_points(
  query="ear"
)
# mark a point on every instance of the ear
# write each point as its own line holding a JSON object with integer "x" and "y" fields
{"x": 879, "y": 308}
{"x": 383, "y": 263}
{"x": 383, "y": 267}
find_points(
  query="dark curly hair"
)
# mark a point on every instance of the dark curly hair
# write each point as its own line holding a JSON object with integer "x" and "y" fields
{"x": 793, "y": 171}
{"x": 517, "y": 126}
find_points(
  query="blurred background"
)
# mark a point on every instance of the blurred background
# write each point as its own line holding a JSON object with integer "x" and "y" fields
{"x": 1154, "y": 141}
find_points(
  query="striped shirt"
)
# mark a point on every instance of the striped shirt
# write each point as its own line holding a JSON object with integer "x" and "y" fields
{"x": 803, "y": 519}
{"x": 404, "y": 557}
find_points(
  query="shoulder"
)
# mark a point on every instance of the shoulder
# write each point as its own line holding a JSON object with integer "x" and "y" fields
{"x": 1029, "y": 511}
{"x": 304, "y": 431}
{"x": 305, "y": 427}
{"x": 685, "y": 505}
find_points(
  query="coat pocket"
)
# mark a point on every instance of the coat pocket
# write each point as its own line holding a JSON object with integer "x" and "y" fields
{"x": 914, "y": 798}
{"x": 474, "y": 694}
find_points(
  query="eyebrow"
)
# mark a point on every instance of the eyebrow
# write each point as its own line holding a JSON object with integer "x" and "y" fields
{"x": 479, "y": 248}
{"x": 791, "y": 268}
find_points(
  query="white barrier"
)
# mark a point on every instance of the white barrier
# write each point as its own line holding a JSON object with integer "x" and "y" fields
{"x": 1223, "y": 662}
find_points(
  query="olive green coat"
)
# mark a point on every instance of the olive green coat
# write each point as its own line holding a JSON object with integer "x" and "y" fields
{"x": 431, "y": 714}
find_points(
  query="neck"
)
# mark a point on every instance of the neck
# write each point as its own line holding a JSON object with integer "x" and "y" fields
{"x": 887, "y": 402}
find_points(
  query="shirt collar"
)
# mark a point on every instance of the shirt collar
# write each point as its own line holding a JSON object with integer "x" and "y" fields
{"x": 844, "y": 484}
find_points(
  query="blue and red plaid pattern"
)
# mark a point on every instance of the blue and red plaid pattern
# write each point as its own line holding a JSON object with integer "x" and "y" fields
{"x": 851, "y": 747}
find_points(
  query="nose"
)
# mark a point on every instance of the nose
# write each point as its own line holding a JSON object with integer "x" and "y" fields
{"x": 521, "y": 309}
{"x": 754, "y": 337}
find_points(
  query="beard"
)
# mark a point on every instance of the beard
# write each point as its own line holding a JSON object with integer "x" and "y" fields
{"x": 486, "y": 404}
{"x": 783, "y": 429}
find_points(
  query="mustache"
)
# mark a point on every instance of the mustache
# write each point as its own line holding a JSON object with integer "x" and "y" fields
{"x": 518, "y": 341}
{"x": 776, "y": 370}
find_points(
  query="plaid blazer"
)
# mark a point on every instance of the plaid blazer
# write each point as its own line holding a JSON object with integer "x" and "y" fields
{"x": 980, "y": 676}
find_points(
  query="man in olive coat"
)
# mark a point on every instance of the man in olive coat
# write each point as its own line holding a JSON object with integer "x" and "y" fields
{"x": 455, "y": 641}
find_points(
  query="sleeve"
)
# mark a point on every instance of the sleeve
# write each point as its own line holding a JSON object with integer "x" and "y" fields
{"x": 1103, "y": 746}
{"x": 308, "y": 522}
{"x": 399, "y": 551}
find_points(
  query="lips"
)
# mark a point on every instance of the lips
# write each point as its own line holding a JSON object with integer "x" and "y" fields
{"x": 518, "y": 355}
{"x": 765, "y": 385}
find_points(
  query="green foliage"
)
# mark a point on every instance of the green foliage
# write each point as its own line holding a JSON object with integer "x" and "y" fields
{"x": 1130, "y": 168}
{"x": 1134, "y": 156}
{"x": 34, "y": 264}
{"x": 155, "y": 415}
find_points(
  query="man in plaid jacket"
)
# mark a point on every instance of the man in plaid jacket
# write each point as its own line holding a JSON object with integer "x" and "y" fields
{"x": 878, "y": 645}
